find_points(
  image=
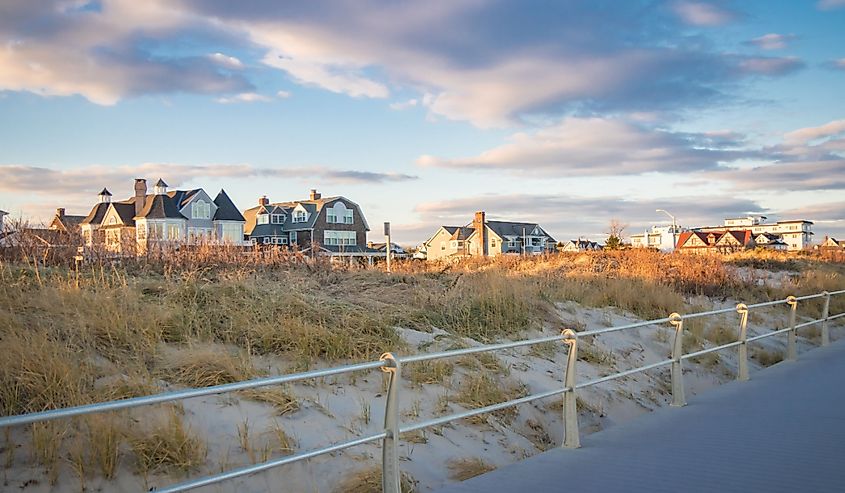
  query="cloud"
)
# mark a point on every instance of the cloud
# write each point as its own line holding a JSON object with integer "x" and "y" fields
{"x": 830, "y": 4}
{"x": 838, "y": 64}
{"x": 772, "y": 41}
{"x": 568, "y": 217}
{"x": 806, "y": 135}
{"x": 88, "y": 180}
{"x": 771, "y": 65}
{"x": 245, "y": 97}
{"x": 282, "y": 94}
{"x": 703, "y": 14}
{"x": 404, "y": 105}
{"x": 226, "y": 61}
{"x": 490, "y": 64}
{"x": 596, "y": 147}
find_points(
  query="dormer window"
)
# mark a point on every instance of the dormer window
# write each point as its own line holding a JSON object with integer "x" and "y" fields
{"x": 263, "y": 219}
{"x": 300, "y": 216}
{"x": 339, "y": 214}
{"x": 277, "y": 218}
{"x": 201, "y": 210}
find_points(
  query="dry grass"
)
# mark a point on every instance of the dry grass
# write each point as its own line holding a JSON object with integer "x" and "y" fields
{"x": 206, "y": 367}
{"x": 282, "y": 399}
{"x": 465, "y": 468}
{"x": 168, "y": 446}
{"x": 369, "y": 481}
{"x": 428, "y": 372}
{"x": 767, "y": 357}
{"x": 480, "y": 390}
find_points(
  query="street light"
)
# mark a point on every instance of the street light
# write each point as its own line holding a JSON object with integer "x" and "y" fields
{"x": 674, "y": 228}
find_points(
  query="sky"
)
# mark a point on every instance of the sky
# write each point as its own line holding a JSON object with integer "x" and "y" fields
{"x": 567, "y": 113}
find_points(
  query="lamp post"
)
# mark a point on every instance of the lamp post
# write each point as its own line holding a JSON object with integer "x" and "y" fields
{"x": 674, "y": 228}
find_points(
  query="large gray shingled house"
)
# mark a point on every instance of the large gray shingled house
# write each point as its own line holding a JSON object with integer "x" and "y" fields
{"x": 332, "y": 225}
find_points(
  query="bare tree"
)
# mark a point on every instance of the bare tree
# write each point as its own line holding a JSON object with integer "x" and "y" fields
{"x": 615, "y": 234}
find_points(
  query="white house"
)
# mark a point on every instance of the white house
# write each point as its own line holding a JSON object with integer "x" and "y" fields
{"x": 797, "y": 233}
{"x": 660, "y": 237}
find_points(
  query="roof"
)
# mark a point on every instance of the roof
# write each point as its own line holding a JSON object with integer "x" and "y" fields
{"x": 69, "y": 221}
{"x": 686, "y": 235}
{"x": 182, "y": 197}
{"x": 226, "y": 210}
{"x": 161, "y": 207}
{"x": 160, "y": 183}
{"x": 105, "y": 191}
{"x": 3, "y": 213}
{"x": 513, "y": 228}
{"x": 126, "y": 211}
{"x": 98, "y": 212}
{"x": 462, "y": 233}
{"x": 313, "y": 207}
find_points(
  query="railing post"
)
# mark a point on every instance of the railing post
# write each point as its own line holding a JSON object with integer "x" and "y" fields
{"x": 742, "y": 373}
{"x": 571, "y": 437}
{"x": 792, "y": 341}
{"x": 825, "y": 315}
{"x": 678, "y": 399}
{"x": 390, "y": 482}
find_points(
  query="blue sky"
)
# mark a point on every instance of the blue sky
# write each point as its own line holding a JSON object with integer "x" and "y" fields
{"x": 567, "y": 113}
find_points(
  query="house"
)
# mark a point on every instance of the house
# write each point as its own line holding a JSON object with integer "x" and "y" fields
{"x": 334, "y": 226}
{"x": 2, "y": 215}
{"x": 488, "y": 239}
{"x": 701, "y": 242}
{"x": 795, "y": 233}
{"x": 660, "y": 237}
{"x": 164, "y": 218}
{"x": 580, "y": 245}
{"x": 832, "y": 244}
{"x": 770, "y": 241}
{"x": 65, "y": 223}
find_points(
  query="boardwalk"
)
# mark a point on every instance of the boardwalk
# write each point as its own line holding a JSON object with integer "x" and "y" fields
{"x": 782, "y": 431}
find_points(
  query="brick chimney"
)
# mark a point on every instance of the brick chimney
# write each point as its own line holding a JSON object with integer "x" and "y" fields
{"x": 60, "y": 213}
{"x": 263, "y": 200}
{"x": 478, "y": 225}
{"x": 140, "y": 195}
{"x": 314, "y": 195}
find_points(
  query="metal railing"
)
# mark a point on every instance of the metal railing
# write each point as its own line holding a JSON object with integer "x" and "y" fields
{"x": 391, "y": 364}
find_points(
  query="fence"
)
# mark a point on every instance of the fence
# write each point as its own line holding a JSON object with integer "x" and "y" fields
{"x": 393, "y": 428}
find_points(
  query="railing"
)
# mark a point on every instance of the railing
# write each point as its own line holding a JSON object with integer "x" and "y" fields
{"x": 391, "y": 364}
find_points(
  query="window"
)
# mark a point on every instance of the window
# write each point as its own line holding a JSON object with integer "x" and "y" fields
{"x": 174, "y": 232}
{"x": 263, "y": 219}
{"x": 347, "y": 218}
{"x": 112, "y": 220}
{"x": 201, "y": 210}
{"x": 339, "y": 214}
{"x": 155, "y": 230}
{"x": 277, "y": 218}
{"x": 292, "y": 237}
{"x": 341, "y": 238}
{"x": 232, "y": 233}
{"x": 266, "y": 240}
{"x": 300, "y": 216}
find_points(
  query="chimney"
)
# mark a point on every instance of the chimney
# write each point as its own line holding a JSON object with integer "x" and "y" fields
{"x": 478, "y": 225}
{"x": 314, "y": 195}
{"x": 263, "y": 200}
{"x": 140, "y": 195}
{"x": 60, "y": 212}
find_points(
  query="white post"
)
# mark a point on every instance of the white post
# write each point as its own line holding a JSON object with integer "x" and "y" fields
{"x": 825, "y": 316}
{"x": 387, "y": 250}
{"x": 390, "y": 481}
{"x": 571, "y": 437}
{"x": 678, "y": 399}
{"x": 742, "y": 374}
{"x": 792, "y": 341}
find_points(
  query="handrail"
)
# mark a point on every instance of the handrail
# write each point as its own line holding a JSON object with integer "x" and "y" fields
{"x": 393, "y": 428}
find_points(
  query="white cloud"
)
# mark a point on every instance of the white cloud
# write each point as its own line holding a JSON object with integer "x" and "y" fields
{"x": 596, "y": 147}
{"x": 771, "y": 65}
{"x": 226, "y": 61}
{"x": 809, "y": 134}
{"x": 702, "y": 13}
{"x": 245, "y": 97}
{"x": 282, "y": 94}
{"x": 404, "y": 105}
{"x": 772, "y": 41}
{"x": 830, "y": 4}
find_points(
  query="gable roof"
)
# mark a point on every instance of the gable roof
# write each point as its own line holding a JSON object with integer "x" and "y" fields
{"x": 98, "y": 212}
{"x": 514, "y": 228}
{"x": 67, "y": 222}
{"x": 125, "y": 211}
{"x": 182, "y": 197}
{"x": 684, "y": 237}
{"x": 226, "y": 210}
{"x": 160, "y": 207}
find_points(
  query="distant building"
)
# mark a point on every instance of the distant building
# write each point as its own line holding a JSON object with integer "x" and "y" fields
{"x": 485, "y": 238}
{"x": 770, "y": 241}
{"x": 701, "y": 242}
{"x": 580, "y": 245}
{"x": 2, "y": 215}
{"x": 660, "y": 237}
{"x": 797, "y": 234}
{"x": 65, "y": 223}
{"x": 830, "y": 243}
{"x": 395, "y": 248}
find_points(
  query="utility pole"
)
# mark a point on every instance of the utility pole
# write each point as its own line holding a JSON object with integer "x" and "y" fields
{"x": 388, "y": 249}
{"x": 524, "y": 239}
